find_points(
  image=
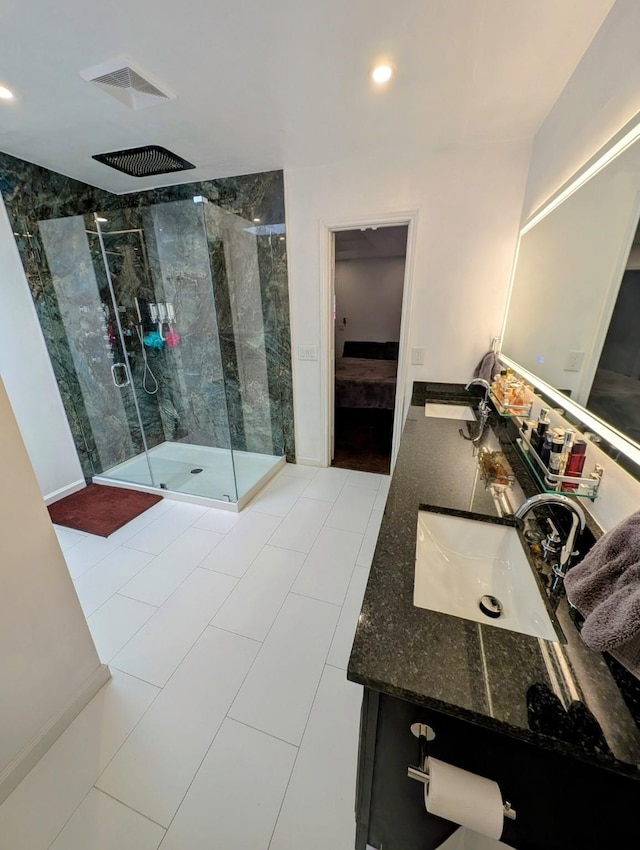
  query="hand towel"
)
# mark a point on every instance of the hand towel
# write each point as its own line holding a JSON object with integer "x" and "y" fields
{"x": 605, "y": 588}
{"x": 487, "y": 367}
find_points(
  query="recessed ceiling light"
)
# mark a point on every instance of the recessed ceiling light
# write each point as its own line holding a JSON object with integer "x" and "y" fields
{"x": 5, "y": 93}
{"x": 382, "y": 74}
{"x": 257, "y": 220}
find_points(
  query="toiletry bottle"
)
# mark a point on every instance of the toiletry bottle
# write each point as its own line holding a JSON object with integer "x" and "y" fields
{"x": 575, "y": 463}
{"x": 545, "y": 449}
{"x": 569, "y": 436}
{"x": 537, "y": 437}
{"x": 555, "y": 458}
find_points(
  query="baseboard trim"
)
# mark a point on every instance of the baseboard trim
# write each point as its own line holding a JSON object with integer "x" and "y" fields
{"x": 65, "y": 491}
{"x": 308, "y": 461}
{"x": 31, "y": 754}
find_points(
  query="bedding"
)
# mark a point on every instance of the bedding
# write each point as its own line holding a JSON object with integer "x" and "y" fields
{"x": 362, "y": 382}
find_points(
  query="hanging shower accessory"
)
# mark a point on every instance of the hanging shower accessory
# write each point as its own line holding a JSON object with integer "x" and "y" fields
{"x": 147, "y": 373}
{"x": 154, "y": 339}
{"x": 173, "y": 337}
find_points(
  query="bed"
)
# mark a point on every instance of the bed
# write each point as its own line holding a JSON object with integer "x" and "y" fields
{"x": 366, "y": 383}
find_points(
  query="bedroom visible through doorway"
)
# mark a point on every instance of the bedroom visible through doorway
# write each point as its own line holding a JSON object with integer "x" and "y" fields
{"x": 369, "y": 274}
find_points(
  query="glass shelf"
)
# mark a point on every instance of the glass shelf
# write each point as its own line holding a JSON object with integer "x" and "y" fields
{"x": 511, "y": 410}
{"x": 581, "y": 488}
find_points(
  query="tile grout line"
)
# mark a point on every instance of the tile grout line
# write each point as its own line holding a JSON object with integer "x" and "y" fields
{"x": 139, "y": 679}
{"x": 315, "y": 696}
{"x": 262, "y": 732}
{"x": 118, "y": 593}
{"x": 226, "y": 716}
{"x": 63, "y": 827}
{"x": 235, "y": 634}
{"x": 315, "y": 599}
{"x": 159, "y": 687}
{"x": 131, "y": 808}
{"x": 159, "y": 608}
{"x": 299, "y": 748}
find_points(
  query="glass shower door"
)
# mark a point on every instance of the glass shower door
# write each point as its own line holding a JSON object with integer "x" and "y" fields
{"x": 157, "y": 263}
{"x": 92, "y": 346}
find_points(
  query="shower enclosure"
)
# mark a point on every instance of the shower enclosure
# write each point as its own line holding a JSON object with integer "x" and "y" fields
{"x": 164, "y": 310}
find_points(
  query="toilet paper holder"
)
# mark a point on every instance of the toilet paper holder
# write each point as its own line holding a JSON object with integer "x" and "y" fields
{"x": 424, "y": 734}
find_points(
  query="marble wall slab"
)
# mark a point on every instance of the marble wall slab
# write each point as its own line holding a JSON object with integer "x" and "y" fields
{"x": 229, "y": 381}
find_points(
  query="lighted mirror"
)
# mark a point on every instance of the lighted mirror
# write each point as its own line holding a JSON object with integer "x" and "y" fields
{"x": 573, "y": 318}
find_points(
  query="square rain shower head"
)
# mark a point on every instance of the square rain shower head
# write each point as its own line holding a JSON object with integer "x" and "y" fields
{"x": 144, "y": 162}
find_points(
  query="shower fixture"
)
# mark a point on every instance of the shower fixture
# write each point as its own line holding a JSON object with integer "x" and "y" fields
{"x": 146, "y": 161}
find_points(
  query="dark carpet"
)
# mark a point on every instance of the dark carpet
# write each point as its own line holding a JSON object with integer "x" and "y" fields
{"x": 99, "y": 509}
{"x": 363, "y": 439}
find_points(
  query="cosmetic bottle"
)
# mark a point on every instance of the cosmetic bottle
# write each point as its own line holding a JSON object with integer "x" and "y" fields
{"x": 575, "y": 463}
{"x": 555, "y": 458}
{"x": 545, "y": 449}
{"x": 537, "y": 436}
{"x": 569, "y": 436}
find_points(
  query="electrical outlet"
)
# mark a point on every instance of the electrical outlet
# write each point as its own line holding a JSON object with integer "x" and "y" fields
{"x": 574, "y": 361}
{"x": 417, "y": 356}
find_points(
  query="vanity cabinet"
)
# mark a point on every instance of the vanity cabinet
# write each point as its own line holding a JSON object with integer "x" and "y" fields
{"x": 552, "y": 722}
{"x": 560, "y": 803}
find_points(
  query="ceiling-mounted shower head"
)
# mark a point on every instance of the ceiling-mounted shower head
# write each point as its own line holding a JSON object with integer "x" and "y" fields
{"x": 144, "y": 162}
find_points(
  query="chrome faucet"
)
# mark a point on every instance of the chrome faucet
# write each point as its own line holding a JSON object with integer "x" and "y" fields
{"x": 483, "y": 407}
{"x": 480, "y": 382}
{"x": 577, "y": 526}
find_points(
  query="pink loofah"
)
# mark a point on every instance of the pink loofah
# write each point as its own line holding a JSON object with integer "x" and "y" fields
{"x": 172, "y": 338}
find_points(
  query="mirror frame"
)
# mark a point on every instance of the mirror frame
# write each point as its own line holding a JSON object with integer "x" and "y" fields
{"x": 618, "y": 442}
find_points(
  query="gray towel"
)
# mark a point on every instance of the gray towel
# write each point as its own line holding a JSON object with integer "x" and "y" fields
{"x": 487, "y": 367}
{"x": 605, "y": 588}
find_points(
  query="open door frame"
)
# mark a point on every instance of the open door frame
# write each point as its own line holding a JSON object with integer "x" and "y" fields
{"x": 327, "y": 325}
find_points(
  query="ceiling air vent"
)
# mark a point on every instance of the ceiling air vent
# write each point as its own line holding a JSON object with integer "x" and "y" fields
{"x": 127, "y": 82}
{"x": 144, "y": 162}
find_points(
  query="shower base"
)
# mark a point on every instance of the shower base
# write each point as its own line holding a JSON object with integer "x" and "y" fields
{"x": 173, "y": 466}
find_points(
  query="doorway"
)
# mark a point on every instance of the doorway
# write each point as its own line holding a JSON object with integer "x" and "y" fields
{"x": 369, "y": 278}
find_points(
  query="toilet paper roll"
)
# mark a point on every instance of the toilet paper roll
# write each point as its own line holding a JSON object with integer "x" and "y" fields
{"x": 464, "y": 798}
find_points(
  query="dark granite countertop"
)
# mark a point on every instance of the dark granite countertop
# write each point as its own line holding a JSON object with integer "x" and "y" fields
{"x": 558, "y": 695}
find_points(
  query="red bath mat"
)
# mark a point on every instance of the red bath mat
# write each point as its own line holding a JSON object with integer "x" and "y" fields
{"x": 99, "y": 509}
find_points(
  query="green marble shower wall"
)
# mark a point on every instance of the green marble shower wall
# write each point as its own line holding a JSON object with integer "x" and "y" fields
{"x": 228, "y": 383}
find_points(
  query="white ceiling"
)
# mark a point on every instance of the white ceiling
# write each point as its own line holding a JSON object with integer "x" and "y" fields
{"x": 264, "y": 85}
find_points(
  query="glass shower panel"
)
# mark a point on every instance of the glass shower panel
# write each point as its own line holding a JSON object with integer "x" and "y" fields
{"x": 158, "y": 260}
{"x": 94, "y": 343}
{"x": 244, "y": 306}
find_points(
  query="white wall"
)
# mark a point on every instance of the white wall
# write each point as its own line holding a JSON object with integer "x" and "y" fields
{"x": 468, "y": 200}
{"x": 599, "y": 99}
{"x": 28, "y": 376}
{"x": 48, "y": 665}
{"x": 369, "y": 297}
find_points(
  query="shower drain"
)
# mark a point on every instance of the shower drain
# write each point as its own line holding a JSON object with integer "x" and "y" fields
{"x": 196, "y": 470}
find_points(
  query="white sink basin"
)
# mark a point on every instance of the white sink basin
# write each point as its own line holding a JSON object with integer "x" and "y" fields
{"x": 450, "y": 411}
{"x": 460, "y": 560}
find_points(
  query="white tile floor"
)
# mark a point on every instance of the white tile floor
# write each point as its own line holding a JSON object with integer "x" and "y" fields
{"x": 229, "y": 721}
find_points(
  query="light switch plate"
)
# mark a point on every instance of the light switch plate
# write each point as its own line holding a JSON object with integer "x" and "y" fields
{"x": 307, "y": 352}
{"x": 417, "y": 356}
